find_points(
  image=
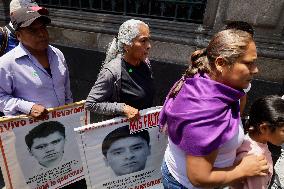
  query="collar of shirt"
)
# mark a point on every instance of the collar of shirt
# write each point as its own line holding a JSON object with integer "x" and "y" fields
{"x": 22, "y": 51}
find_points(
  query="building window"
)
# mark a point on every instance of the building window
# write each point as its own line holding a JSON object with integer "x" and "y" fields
{"x": 175, "y": 10}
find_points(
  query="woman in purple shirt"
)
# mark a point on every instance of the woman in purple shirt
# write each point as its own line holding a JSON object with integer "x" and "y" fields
{"x": 202, "y": 116}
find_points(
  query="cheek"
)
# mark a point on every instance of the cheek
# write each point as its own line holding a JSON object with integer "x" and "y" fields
{"x": 138, "y": 48}
{"x": 114, "y": 161}
{"x": 38, "y": 154}
{"x": 239, "y": 76}
{"x": 60, "y": 147}
{"x": 30, "y": 42}
{"x": 240, "y": 71}
{"x": 114, "y": 158}
{"x": 278, "y": 138}
{"x": 282, "y": 138}
{"x": 142, "y": 153}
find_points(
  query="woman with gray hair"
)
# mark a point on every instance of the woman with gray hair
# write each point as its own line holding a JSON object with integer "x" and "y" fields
{"x": 125, "y": 83}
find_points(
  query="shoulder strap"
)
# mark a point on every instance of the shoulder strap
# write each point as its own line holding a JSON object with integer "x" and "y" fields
{"x": 12, "y": 30}
{"x": 4, "y": 43}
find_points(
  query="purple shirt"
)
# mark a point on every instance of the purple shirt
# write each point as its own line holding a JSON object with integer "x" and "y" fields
{"x": 24, "y": 82}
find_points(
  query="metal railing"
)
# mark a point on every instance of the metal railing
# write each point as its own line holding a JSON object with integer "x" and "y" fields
{"x": 176, "y": 10}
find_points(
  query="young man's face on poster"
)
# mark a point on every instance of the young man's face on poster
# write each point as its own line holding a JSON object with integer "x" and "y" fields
{"x": 128, "y": 155}
{"x": 48, "y": 150}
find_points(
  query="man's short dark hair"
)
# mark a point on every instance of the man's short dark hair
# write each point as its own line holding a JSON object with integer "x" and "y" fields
{"x": 43, "y": 130}
{"x": 122, "y": 132}
{"x": 240, "y": 25}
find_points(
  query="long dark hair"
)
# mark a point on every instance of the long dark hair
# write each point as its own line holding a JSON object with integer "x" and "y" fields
{"x": 229, "y": 44}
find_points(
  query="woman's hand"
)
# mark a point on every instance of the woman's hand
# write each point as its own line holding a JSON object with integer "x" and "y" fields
{"x": 164, "y": 129}
{"x": 131, "y": 113}
{"x": 253, "y": 165}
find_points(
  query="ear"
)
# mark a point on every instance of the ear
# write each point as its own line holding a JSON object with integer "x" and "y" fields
{"x": 18, "y": 35}
{"x": 30, "y": 152}
{"x": 219, "y": 64}
{"x": 126, "y": 48}
{"x": 263, "y": 128}
{"x": 149, "y": 150}
{"x": 106, "y": 161}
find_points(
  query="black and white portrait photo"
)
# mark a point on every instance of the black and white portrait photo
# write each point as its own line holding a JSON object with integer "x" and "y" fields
{"x": 45, "y": 153}
{"x": 114, "y": 156}
{"x": 46, "y": 143}
{"x": 124, "y": 152}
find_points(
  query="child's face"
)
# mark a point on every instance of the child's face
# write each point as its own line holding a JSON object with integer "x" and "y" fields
{"x": 276, "y": 137}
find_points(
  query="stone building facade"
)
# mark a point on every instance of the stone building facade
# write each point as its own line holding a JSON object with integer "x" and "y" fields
{"x": 83, "y": 37}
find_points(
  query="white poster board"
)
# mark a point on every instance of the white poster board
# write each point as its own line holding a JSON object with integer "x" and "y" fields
{"x": 41, "y": 154}
{"x": 123, "y": 155}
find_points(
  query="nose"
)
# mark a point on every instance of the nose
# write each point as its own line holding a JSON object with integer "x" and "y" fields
{"x": 149, "y": 46}
{"x": 41, "y": 33}
{"x": 49, "y": 148}
{"x": 129, "y": 154}
{"x": 254, "y": 69}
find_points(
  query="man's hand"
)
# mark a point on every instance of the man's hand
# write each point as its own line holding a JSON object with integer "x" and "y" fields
{"x": 131, "y": 113}
{"x": 38, "y": 111}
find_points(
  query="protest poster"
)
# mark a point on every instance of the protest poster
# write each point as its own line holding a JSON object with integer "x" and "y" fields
{"x": 118, "y": 154}
{"x": 41, "y": 154}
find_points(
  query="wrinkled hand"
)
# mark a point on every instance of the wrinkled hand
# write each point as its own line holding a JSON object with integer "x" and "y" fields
{"x": 253, "y": 165}
{"x": 38, "y": 111}
{"x": 131, "y": 113}
{"x": 164, "y": 129}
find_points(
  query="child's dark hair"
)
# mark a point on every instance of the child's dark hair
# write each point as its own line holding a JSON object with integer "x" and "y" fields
{"x": 268, "y": 109}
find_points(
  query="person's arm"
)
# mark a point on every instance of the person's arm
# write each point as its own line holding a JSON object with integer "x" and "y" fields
{"x": 98, "y": 100}
{"x": 68, "y": 93}
{"x": 201, "y": 173}
{"x": 9, "y": 104}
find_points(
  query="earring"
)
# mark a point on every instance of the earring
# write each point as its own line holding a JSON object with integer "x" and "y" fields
{"x": 221, "y": 71}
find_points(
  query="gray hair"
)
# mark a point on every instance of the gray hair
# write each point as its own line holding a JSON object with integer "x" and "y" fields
{"x": 127, "y": 32}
